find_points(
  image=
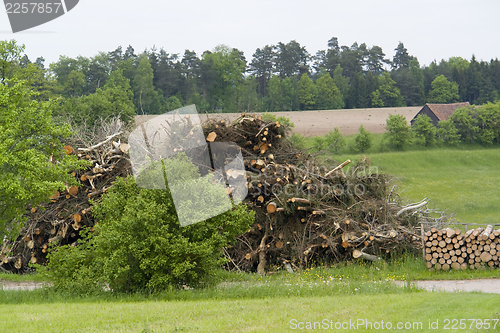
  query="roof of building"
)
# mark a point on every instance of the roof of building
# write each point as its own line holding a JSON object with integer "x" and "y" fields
{"x": 444, "y": 111}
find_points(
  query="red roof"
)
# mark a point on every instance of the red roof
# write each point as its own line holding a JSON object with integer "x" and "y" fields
{"x": 444, "y": 111}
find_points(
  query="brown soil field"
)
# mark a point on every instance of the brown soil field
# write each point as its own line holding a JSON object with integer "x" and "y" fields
{"x": 312, "y": 123}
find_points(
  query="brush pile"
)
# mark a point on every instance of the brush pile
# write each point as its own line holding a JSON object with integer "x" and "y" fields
{"x": 307, "y": 212}
{"x": 59, "y": 221}
{"x": 450, "y": 249}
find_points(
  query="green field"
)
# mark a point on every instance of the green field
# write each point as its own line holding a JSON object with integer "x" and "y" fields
{"x": 464, "y": 183}
{"x": 275, "y": 303}
{"x": 277, "y": 314}
{"x": 462, "y": 180}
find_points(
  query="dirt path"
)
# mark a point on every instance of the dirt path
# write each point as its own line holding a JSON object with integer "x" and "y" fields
{"x": 27, "y": 285}
{"x": 311, "y": 123}
{"x": 483, "y": 285}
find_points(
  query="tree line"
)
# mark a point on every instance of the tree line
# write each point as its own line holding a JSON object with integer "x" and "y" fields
{"x": 281, "y": 77}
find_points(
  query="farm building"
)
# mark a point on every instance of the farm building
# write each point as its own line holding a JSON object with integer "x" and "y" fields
{"x": 439, "y": 112}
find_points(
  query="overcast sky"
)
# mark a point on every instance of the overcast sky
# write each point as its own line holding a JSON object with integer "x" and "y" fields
{"x": 430, "y": 29}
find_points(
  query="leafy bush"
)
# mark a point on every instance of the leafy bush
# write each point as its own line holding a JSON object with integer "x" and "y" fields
{"x": 298, "y": 140}
{"x": 448, "y": 133}
{"x": 363, "y": 140}
{"x": 284, "y": 121}
{"x": 466, "y": 124}
{"x": 488, "y": 121}
{"x": 138, "y": 243}
{"x": 424, "y": 130}
{"x": 333, "y": 142}
{"x": 398, "y": 132}
{"x": 173, "y": 103}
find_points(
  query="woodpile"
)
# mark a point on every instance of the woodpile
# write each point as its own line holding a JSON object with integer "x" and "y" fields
{"x": 59, "y": 221}
{"x": 307, "y": 212}
{"x": 451, "y": 249}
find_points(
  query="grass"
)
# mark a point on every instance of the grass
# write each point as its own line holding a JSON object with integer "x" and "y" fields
{"x": 277, "y": 314}
{"x": 248, "y": 303}
{"x": 271, "y": 304}
{"x": 462, "y": 180}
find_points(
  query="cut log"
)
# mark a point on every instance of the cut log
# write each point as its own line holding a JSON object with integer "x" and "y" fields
{"x": 477, "y": 232}
{"x": 124, "y": 147}
{"x": 271, "y": 207}
{"x": 485, "y": 234}
{"x": 300, "y": 200}
{"x": 361, "y": 255}
{"x": 485, "y": 256}
{"x": 68, "y": 149}
{"x": 468, "y": 233}
{"x": 211, "y": 136}
{"x": 73, "y": 190}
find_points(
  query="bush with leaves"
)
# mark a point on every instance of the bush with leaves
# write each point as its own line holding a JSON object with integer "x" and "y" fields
{"x": 332, "y": 142}
{"x": 488, "y": 121}
{"x": 297, "y": 140}
{"x": 398, "y": 132}
{"x": 465, "y": 122}
{"x": 284, "y": 121}
{"x": 424, "y": 130}
{"x": 448, "y": 133}
{"x": 363, "y": 140}
{"x": 138, "y": 244}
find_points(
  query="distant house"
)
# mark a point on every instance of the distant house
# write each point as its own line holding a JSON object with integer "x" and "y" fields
{"x": 439, "y": 112}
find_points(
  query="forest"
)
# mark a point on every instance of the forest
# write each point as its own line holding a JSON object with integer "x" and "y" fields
{"x": 281, "y": 77}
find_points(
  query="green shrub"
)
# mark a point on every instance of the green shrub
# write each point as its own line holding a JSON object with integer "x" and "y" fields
{"x": 488, "y": 121}
{"x": 398, "y": 132}
{"x": 298, "y": 140}
{"x": 284, "y": 121}
{"x": 448, "y": 133}
{"x": 333, "y": 142}
{"x": 138, "y": 244}
{"x": 363, "y": 140}
{"x": 424, "y": 130}
{"x": 466, "y": 124}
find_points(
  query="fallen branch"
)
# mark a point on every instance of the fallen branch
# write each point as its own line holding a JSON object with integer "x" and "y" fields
{"x": 412, "y": 207}
{"x": 337, "y": 168}
{"x": 109, "y": 138}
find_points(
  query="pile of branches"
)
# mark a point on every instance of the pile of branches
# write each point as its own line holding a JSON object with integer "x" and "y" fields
{"x": 306, "y": 213}
{"x": 59, "y": 221}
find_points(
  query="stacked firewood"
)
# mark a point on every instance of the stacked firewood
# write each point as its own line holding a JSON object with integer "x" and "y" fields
{"x": 59, "y": 221}
{"x": 450, "y": 249}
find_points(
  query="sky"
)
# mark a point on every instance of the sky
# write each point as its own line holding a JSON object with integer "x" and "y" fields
{"x": 430, "y": 29}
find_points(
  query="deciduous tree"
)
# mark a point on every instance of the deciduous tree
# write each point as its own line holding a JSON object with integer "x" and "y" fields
{"x": 443, "y": 91}
{"x": 33, "y": 164}
{"x": 306, "y": 93}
